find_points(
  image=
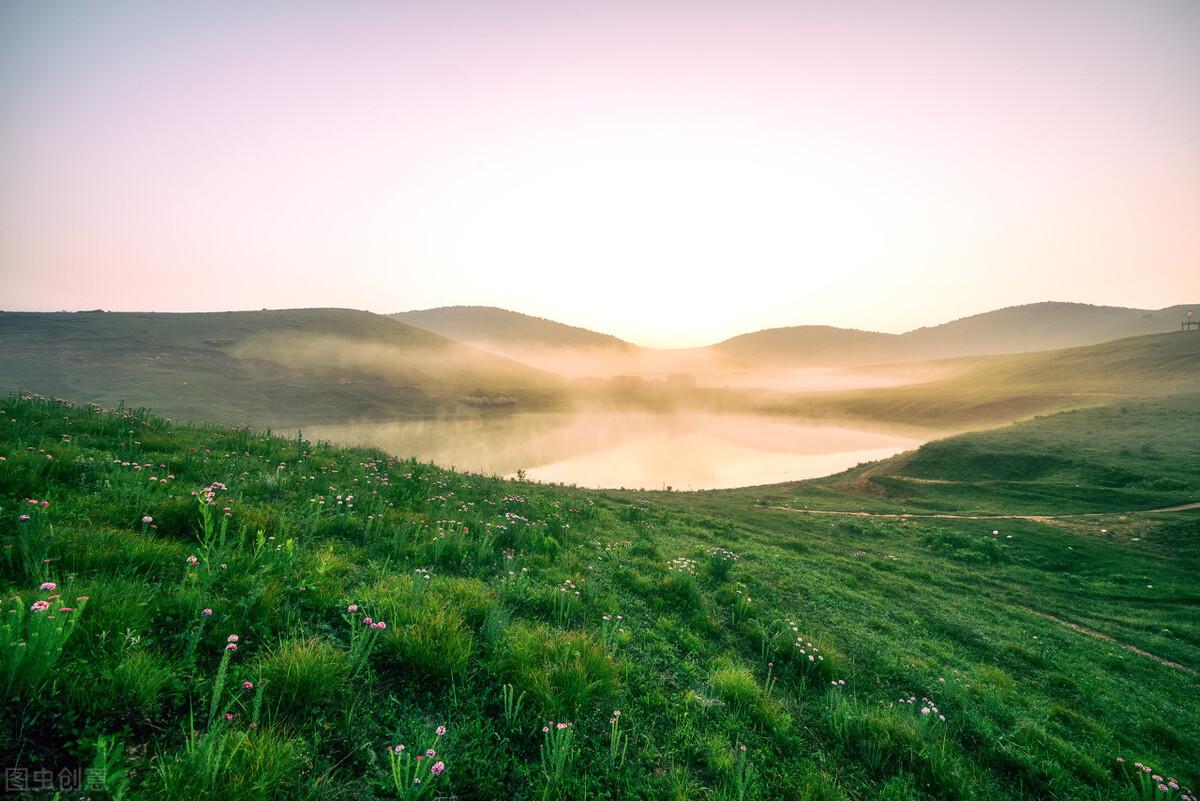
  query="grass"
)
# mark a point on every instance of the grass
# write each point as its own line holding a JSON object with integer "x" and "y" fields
{"x": 1022, "y": 639}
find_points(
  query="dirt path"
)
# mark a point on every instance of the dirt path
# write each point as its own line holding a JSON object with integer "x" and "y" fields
{"x": 1099, "y": 635}
{"x": 1035, "y": 518}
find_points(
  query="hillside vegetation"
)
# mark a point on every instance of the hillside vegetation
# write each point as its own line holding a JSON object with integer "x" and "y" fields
{"x": 268, "y": 368}
{"x": 214, "y": 613}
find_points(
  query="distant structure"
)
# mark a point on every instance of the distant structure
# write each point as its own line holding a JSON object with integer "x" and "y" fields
{"x": 1188, "y": 323}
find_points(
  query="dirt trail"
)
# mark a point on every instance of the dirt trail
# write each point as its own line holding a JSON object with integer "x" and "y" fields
{"x": 1035, "y": 518}
{"x": 1099, "y": 635}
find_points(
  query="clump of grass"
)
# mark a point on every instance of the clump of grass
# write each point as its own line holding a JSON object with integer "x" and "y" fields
{"x": 302, "y": 675}
{"x": 436, "y": 646}
{"x": 231, "y": 765}
{"x": 563, "y": 672}
{"x": 738, "y": 688}
{"x": 138, "y": 684}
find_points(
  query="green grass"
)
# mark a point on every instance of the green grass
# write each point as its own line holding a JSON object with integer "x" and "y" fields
{"x": 699, "y": 661}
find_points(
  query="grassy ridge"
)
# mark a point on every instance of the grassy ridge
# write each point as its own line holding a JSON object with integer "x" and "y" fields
{"x": 549, "y": 604}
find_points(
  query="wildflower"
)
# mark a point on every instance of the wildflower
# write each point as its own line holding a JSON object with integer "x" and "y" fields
{"x": 23, "y": 518}
{"x": 247, "y": 685}
{"x": 39, "y": 606}
{"x": 437, "y": 768}
{"x": 352, "y": 608}
{"x": 368, "y": 620}
{"x": 206, "y": 613}
{"x": 232, "y": 638}
{"x": 231, "y": 646}
{"x": 48, "y": 585}
{"x": 229, "y": 716}
{"x": 431, "y": 753}
{"x": 441, "y": 730}
{"x": 147, "y": 519}
{"x": 193, "y": 561}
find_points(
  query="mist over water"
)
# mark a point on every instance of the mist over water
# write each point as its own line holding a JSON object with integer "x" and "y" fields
{"x": 634, "y": 449}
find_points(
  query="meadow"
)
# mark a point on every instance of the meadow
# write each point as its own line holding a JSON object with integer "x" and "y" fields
{"x": 214, "y": 612}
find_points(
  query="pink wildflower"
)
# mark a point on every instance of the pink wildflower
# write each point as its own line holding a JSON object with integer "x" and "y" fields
{"x": 39, "y": 606}
{"x": 441, "y": 730}
{"x": 48, "y": 585}
{"x": 437, "y": 768}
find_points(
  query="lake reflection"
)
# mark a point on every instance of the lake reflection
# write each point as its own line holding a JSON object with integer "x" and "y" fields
{"x": 630, "y": 449}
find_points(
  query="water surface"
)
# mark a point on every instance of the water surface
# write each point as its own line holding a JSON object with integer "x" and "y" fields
{"x": 686, "y": 451}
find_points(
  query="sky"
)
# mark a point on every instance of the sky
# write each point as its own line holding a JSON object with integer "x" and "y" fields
{"x": 670, "y": 172}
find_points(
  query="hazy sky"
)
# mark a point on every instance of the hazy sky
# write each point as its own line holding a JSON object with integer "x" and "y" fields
{"x": 671, "y": 172}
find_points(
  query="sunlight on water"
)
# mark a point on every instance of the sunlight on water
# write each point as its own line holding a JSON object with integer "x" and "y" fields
{"x": 630, "y": 449}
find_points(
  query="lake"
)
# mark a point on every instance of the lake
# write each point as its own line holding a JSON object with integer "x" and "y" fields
{"x": 637, "y": 450}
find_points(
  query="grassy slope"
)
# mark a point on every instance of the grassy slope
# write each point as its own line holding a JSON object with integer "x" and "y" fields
{"x": 1033, "y": 709}
{"x": 267, "y": 368}
{"x": 1136, "y": 454}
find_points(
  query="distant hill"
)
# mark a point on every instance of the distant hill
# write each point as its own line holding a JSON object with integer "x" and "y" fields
{"x": 1016, "y": 329}
{"x": 488, "y": 324}
{"x": 980, "y": 391}
{"x": 809, "y": 346}
{"x": 297, "y": 366}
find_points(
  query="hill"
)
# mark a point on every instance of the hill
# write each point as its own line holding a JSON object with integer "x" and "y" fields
{"x": 279, "y": 633}
{"x": 266, "y": 367}
{"x": 987, "y": 390}
{"x": 1016, "y": 329}
{"x": 499, "y": 327}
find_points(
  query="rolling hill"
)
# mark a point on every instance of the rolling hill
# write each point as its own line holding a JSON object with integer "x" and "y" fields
{"x": 989, "y": 390}
{"x": 573, "y": 351}
{"x": 265, "y": 367}
{"x": 494, "y": 326}
{"x": 1016, "y": 329}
